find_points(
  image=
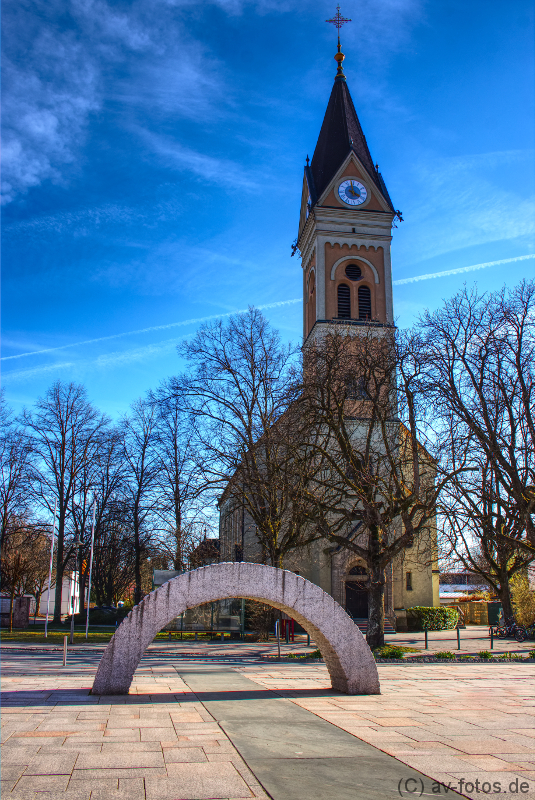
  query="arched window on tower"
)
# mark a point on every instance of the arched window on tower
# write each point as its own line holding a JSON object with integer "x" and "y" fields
{"x": 365, "y": 303}
{"x": 344, "y": 302}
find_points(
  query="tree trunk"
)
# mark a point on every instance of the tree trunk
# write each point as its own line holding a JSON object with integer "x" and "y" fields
{"x": 11, "y": 599}
{"x": 59, "y": 569}
{"x": 137, "y": 571}
{"x": 375, "y": 635}
{"x": 504, "y": 594}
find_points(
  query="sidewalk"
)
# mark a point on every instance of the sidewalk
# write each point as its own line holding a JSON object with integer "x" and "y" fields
{"x": 451, "y": 722}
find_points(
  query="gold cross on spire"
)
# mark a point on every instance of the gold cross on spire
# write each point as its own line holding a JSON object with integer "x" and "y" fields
{"x": 338, "y": 21}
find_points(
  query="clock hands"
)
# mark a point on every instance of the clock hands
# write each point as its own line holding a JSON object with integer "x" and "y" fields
{"x": 352, "y": 190}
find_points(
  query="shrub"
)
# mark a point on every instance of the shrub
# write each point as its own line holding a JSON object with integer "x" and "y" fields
{"x": 510, "y": 657}
{"x": 523, "y": 598}
{"x": 434, "y": 619}
{"x": 389, "y": 651}
{"x": 485, "y": 654}
{"x": 446, "y": 655}
{"x": 313, "y": 654}
{"x": 531, "y": 654}
{"x": 98, "y": 616}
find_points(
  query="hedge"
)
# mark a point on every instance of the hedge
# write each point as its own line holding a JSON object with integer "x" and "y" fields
{"x": 99, "y": 617}
{"x": 434, "y": 619}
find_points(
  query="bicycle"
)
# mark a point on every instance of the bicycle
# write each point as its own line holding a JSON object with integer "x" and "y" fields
{"x": 511, "y": 630}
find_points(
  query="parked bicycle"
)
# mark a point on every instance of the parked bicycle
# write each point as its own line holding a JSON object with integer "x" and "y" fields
{"x": 511, "y": 630}
{"x": 530, "y": 631}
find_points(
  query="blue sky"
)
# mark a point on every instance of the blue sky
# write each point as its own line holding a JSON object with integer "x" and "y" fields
{"x": 154, "y": 152}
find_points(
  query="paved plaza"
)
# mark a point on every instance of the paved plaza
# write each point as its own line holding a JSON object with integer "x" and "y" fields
{"x": 235, "y": 727}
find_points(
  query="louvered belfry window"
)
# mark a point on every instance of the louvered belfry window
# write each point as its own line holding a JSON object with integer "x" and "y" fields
{"x": 344, "y": 302}
{"x": 365, "y": 303}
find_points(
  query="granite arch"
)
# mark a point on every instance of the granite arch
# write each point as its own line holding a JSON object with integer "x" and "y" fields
{"x": 348, "y": 658}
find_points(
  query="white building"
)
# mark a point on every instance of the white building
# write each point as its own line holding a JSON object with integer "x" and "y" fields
{"x": 70, "y": 596}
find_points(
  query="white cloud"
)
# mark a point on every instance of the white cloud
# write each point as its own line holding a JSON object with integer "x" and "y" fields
{"x": 219, "y": 170}
{"x": 50, "y": 94}
{"x": 465, "y": 201}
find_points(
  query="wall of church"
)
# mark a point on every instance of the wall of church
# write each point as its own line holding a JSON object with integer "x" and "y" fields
{"x": 415, "y": 572}
{"x": 309, "y": 296}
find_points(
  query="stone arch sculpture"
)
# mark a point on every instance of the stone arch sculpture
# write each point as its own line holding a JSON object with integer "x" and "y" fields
{"x": 348, "y": 658}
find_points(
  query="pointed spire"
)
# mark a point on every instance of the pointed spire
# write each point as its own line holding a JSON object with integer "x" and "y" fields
{"x": 340, "y": 134}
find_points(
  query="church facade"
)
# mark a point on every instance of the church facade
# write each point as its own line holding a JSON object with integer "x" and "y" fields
{"x": 344, "y": 238}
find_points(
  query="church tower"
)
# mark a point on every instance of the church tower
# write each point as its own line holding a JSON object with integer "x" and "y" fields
{"x": 345, "y": 224}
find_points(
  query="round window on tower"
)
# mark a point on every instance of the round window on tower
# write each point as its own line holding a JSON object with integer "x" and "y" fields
{"x": 353, "y": 272}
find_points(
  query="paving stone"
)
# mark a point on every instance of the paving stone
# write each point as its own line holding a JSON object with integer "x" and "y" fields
{"x": 17, "y": 755}
{"x": 12, "y": 772}
{"x": 198, "y": 782}
{"x": 133, "y": 747}
{"x": 157, "y": 735}
{"x": 117, "y": 759}
{"x": 129, "y": 789}
{"x": 42, "y": 783}
{"x": 49, "y": 764}
{"x": 118, "y": 772}
{"x": 184, "y": 754}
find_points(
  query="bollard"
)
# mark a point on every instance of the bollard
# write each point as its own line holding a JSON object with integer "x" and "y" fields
{"x": 196, "y": 635}
{"x": 426, "y": 642}
{"x": 308, "y": 640}
{"x": 222, "y": 637}
{"x": 65, "y": 640}
{"x": 458, "y": 639}
{"x": 287, "y": 629}
{"x": 169, "y": 635}
{"x": 277, "y": 634}
{"x": 491, "y": 638}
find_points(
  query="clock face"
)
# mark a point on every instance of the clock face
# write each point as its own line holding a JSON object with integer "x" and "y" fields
{"x": 352, "y": 192}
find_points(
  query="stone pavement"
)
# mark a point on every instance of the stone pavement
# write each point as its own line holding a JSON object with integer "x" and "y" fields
{"x": 156, "y": 743}
{"x": 170, "y": 739}
{"x": 452, "y": 722}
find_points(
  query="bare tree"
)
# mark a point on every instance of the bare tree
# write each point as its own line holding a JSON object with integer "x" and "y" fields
{"x": 142, "y": 469}
{"x": 376, "y": 494}
{"x": 479, "y": 356}
{"x": 481, "y": 527}
{"x": 180, "y": 508}
{"x": 239, "y": 393}
{"x": 25, "y": 562}
{"x": 114, "y": 562}
{"x": 15, "y": 461}
{"x": 101, "y": 481}
{"x": 62, "y": 430}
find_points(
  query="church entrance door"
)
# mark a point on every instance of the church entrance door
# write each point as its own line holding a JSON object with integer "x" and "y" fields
{"x": 356, "y": 600}
{"x": 357, "y": 593}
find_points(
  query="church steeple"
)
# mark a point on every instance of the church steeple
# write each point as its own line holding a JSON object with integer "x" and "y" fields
{"x": 345, "y": 224}
{"x": 340, "y": 134}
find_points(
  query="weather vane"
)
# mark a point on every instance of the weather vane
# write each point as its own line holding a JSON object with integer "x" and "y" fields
{"x": 338, "y": 21}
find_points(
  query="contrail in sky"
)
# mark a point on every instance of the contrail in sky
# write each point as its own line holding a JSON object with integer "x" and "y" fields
{"x": 458, "y": 271}
{"x": 148, "y": 330}
{"x": 199, "y": 320}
